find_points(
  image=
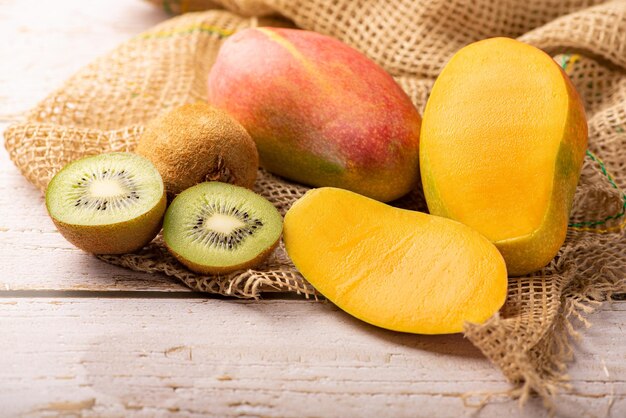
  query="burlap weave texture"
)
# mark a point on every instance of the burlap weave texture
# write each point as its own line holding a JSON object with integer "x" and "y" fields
{"x": 105, "y": 106}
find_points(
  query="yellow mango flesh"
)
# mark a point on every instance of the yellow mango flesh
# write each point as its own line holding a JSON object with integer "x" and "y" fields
{"x": 394, "y": 268}
{"x": 503, "y": 139}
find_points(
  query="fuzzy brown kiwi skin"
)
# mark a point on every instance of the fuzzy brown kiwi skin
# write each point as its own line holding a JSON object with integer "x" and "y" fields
{"x": 200, "y": 269}
{"x": 197, "y": 142}
{"x": 120, "y": 238}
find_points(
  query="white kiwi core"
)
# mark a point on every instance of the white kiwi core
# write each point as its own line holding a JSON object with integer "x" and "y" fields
{"x": 223, "y": 223}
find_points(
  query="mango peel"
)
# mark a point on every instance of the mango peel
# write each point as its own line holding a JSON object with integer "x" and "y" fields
{"x": 321, "y": 113}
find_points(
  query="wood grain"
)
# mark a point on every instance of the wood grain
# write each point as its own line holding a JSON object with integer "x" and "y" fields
{"x": 111, "y": 357}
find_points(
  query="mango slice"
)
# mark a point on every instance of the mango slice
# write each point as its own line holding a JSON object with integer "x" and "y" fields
{"x": 502, "y": 144}
{"x": 394, "y": 268}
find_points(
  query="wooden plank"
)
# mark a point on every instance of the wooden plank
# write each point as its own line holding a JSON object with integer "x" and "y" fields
{"x": 153, "y": 357}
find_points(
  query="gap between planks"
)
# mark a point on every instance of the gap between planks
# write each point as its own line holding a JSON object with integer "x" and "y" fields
{"x": 145, "y": 294}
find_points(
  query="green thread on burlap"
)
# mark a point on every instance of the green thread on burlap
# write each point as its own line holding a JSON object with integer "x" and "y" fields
{"x": 165, "y": 34}
{"x": 566, "y": 59}
{"x": 606, "y": 174}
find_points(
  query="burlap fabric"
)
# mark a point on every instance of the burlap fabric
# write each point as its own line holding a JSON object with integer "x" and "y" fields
{"x": 104, "y": 108}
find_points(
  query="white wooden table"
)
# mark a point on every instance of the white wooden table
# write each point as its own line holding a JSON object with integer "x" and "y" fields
{"x": 82, "y": 338}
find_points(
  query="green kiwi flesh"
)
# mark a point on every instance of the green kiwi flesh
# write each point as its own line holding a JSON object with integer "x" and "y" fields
{"x": 217, "y": 228}
{"x": 109, "y": 203}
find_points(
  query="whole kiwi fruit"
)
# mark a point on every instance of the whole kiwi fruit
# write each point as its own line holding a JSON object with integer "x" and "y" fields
{"x": 107, "y": 204}
{"x": 197, "y": 142}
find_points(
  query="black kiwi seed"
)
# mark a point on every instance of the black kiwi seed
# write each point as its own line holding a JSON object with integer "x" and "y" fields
{"x": 219, "y": 239}
{"x": 82, "y": 196}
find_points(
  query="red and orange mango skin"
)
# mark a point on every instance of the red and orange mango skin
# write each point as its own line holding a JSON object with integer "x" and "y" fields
{"x": 502, "y": 146}
{"x": 320, "y": 112}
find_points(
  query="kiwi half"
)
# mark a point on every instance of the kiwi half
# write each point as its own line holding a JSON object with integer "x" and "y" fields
{"x": 217, "y": 228}
{"x": 107, "y": 204}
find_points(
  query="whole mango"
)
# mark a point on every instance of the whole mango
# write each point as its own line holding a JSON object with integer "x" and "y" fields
{"x": 320, "y": 112}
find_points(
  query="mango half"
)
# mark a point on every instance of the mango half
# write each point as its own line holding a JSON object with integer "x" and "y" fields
{"x": 394, "y": 268}
{"x": 321, "y": 113}
{"x": 503, "y": 139}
